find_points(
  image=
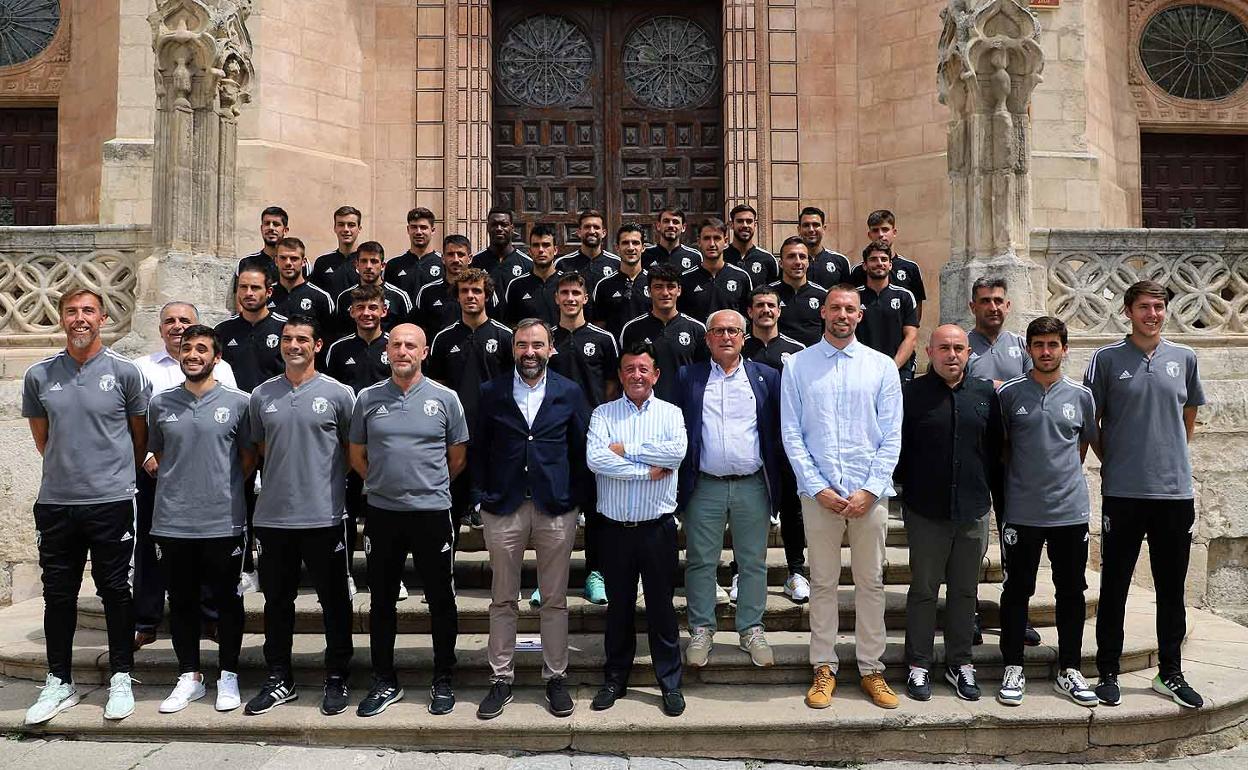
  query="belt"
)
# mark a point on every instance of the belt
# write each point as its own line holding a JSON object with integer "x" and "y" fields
{"x": 635, "y": 524}
{"x": 731, "y": 477}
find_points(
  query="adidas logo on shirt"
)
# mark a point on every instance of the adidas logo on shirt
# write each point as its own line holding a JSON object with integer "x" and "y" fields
{"x": 351, "y": 361}
{"x": 526, "y": 296}
{"x": 329, "y": 270}
{"x": 56, "y": 386}
{"x": 270, "y": 409}
{"x": 616, "y": 295}
{"x": 171, "y": 418}
{"x": 454, "y": 349}
{"x": 232, "y": 343}
{"x": 402, "y": 272}
{"x": 699, "y": 288}
{"x": 1125, "y": 375}
{"x": 237, "y": 551}
{"x": 1021, "y": 410}
{"x": 446, "y": 547}
{"x": 382, "y": 410}
{"x": 340, "y": 548}
{"x": 438, "y": 303}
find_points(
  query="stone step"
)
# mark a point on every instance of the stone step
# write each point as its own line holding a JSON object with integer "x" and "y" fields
{"x": 473, "y": 604}
{"x": 760, "y": 720}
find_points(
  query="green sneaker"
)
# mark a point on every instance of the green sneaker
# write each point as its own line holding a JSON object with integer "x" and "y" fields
{"x": 120, "y": 697}
{"x": 595, "y": 588}
{"x": 536, "y": 599}
{"x": 56, "y": 696}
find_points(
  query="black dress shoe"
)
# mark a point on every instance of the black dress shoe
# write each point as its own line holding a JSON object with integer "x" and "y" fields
{"x": 673, "y": 703}
{"x": 607, "y": 696}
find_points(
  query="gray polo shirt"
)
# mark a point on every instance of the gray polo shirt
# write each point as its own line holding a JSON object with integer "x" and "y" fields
{"x": 199, "y": 486}
{"x": 1002, "y": 360}
{"x": 1044, "y": 484}
{"x": 1143, "y": 441}
{"x": 305, "y": 465}
{"x": 89, "y": 458}
{"x": 407, "y": 435}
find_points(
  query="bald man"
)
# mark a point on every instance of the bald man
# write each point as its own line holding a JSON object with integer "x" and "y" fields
{"x": 951, "y": 440}
{"x": 408, "y": 441}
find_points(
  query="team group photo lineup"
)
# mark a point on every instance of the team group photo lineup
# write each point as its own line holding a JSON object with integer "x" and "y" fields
{"x": 653, "y": 404}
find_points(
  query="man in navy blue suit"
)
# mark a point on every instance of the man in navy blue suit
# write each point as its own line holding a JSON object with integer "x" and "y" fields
{"x": 528, "y": 452}
{"x": 730, "y": 476}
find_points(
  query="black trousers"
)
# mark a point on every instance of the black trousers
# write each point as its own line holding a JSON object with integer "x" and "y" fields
{"x": 593, "y": 539}
{"x": 188, "y": 565}
{"x": 649, "y": 551}
{"x": 389, "y": 536}
{"x": 249, "y": 494}
{"x": 356, "y": 503}
{"x": 66, "y": 535}
{"x": 323, "y": 550}
{"x": 1068, "y": 556}
{"x": 149, "y": 577}
{"x": 792, "y": 530}
{"x": 1167, "y": 524}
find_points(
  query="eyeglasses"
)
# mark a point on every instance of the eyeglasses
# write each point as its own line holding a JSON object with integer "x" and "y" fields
{"x": 721, "y": 331}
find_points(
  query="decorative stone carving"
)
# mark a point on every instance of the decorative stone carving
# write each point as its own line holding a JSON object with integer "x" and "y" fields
{"x": 989, "y": 62}
{"x": 41, "y": 75}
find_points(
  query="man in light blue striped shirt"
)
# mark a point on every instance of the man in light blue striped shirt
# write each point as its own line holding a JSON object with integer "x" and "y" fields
{"x": 840, "y": 423}
{"x": 635, "y": 445}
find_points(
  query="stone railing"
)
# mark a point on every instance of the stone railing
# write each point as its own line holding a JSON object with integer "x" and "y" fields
{"x": 38, "y": 263}
{"x": 1088, "y": 271}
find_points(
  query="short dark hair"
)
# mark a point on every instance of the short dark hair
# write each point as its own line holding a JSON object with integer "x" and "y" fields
{"x": 639, "y": 348}
{"x": 569, "y": 279}
{"x": 276, "y": 211}
{"x": 792, "y": 240}
{"x": 1046, "y": 324}
{"x": 455, "y": 239}
{"x": 881, "y": 217}
{"x": 877, "y": 246}
{"x": 740, "y": 207}
{"x": 812, "y": 211}
{"x": 300, "y": 319}
{"x": 988, "y": 282}
{"x": 630, "y": 227}
{"x": 475, "y": 275}
{"x": 501, "y": 210}
{"x": 528, "y": 323}
{"x": 542, "y": 230}
{"x": 584, "y": 214}
{"x": 291, "y": 242}
{"x": 713, "y": 222}
{"x": 256, "y": 265}
{"x": 664, "y": 273}
{"x": 847, "y": 288}
{"x": 1144, "y": 289}
{"x": 372, "y": 247}
{"x": 348, "y": 211}
{"x": 420, "y": 212}
{"x": 199, "y": 330}
{"x": 368, "y": 293}
{"x": 760, "y": 291}
{"x": 680, "y": 214}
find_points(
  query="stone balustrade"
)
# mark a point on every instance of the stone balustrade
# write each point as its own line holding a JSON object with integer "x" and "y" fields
{"x": 37, "y": 264}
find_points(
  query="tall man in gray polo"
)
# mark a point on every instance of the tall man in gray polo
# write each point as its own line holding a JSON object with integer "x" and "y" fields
{"x": 409, "y": 438}
{"x": 85, "y": 406}
{"x": 1147, "y": 390}
{"x": 300, "y": 420}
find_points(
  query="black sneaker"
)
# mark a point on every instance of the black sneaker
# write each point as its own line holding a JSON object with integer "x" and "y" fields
{"x": 498, "y": 697}
{"x": 379, "y": 698}
{"x": 557, "y": 697}
{"x": 607, "y": 696}
{"x": 1107, "y": 690}
{"x": 441, "y": 696}
{"x": 1177, "y": 688}
{"x": 274, "y": 693}
{"x": 474, "y": 520}
{"x": 1031, "y": 637}
{"x": 919, "y": 684}
{"x": 977, "y": 637}
{"x": 963, "y": 681}
{"x": 673, "y": 703}
{"x": 335, "y": 698}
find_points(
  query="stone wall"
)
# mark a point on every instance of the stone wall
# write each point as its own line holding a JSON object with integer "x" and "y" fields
{"x": 87, "y": 109}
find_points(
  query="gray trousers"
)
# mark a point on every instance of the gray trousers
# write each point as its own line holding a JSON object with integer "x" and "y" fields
{"x": 949, "y": 553}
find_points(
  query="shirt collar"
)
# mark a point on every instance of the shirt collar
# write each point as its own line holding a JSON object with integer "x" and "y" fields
{"x": 645, "y": 405}
{"x": 163, "y": 358}
{"x": 831, "y": 350}
{"x": 518, "y": 381}
{"x": 716, "y": 368}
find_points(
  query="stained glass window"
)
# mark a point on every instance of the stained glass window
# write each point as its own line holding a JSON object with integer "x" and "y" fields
{"x": 1196, "y": 51}
{"x": 670, "y": 62}
{"x": 544, "y": 61}
{"x": 26, "y": 28}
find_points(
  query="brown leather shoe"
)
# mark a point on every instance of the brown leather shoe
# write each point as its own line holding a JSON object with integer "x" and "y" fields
{"x": 143, "y": 638}
{"x": 880, "y": 693}
{"x": 819, "y": 696}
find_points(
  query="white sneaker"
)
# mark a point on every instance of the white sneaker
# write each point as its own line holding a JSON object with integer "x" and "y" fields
{"x": 351, "y": 592}
{"x": 1013, "y": 684}
{"x": 1070, "y": 682}
{"x": 732, "y": 590}
{"x": 188, "y": 689}
{"x": 721, "y": 595}
{"x": 55, "y": 697}
{"x": 797, "y": 588}
{"x": 403, "y": 595}
{"x": 228, "y": 698}
{"x": 775, "y": 519}
{"x": 580, "y": 520}
{"x": 120, "y": 697}
{"x": 249, "y": 583}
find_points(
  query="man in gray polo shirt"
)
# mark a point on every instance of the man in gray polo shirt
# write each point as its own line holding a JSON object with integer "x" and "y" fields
{"x": 996, "y": 353}
{"x": 409, "y": 438}
{"x": 1049, "y": 420}
{"x": 85, "y": 406}
{"x": 300, "y": 420}
{"x": 1147, "y": 390}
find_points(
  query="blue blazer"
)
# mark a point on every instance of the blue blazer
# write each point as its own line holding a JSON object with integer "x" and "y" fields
{"x": 548, "y": 460}
{"x": 691, "y": 391}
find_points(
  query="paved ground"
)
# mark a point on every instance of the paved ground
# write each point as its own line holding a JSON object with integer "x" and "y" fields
{"x": 89, "y": 755}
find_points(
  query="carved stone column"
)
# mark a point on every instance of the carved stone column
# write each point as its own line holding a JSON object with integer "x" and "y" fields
{"x": 989, "y": 63}
{"x": 202, "y": 71}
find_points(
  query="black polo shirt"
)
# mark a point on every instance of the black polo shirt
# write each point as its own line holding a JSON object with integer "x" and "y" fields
{"x": 619, "y": 299}
{"x": 305, "y": 299}
{"x": 464, "y": 358}
{"x": 409, "y": 272}
{"x": 253, "y": 351}
{"x": 588, "y": 356}
{"x": 398, "y": 308}
{"x": 531, "y": 297}
{"x": 884, "y": 318}
{"x": 502, "y": 271}
{"x": 828, "y": 268}
{"x": 683, "y": 257}
{"x": 702, "y": 293}
{"x": 676, "y": 343}
{"x": 775, "y": 353}
{"x": 606, "y": 265}
{"x": 334, "y": 272}
{"x": 904, "y": 273}
{"x": 761, "y": 264}
{"x": 435, "y": 308}
{"x": 951, "y": 440}
{"x": 357, "y": 363}
{"x": 799, "y": 311}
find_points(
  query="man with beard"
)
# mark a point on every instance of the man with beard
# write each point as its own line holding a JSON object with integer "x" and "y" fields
{"x": 882, "y": 226}
{"x": 668, "y": 249}
{"x": 889, "y": 323}
{"x": 299, "y": 422}
{"x": 997, "y": 354}
{"x": 635, "y": 445}
{"x": 293, "y": 294}
{"x": 713, "y": 284}
{"x": 335, "y": 270}
{"x": 501, "y": 259}
{"x": 677, "y": 339}
{"x": 370, "y": 261}
{"x": 274, "y": 224}
{"x": 84, "y": 397}
{"x": 532, "y": 295}
{"x": 743, "y": 252}
{"x": 528, "y": 458}
{"x": 435, "y": 303}
{"x": 409, "y": 456}
{"x": 624, "y": 296}
{"x": 421, "y": 263}
{"x": 800, "y": 299}
{"x": 201, "y": 512}
{"x": 827, "y": 267}
{"x": 590, "y": 259}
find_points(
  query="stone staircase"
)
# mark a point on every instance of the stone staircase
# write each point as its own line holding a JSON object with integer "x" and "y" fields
{"x": 735, "y": 709}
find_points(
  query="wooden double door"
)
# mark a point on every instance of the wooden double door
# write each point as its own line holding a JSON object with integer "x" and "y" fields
{"x": 1193, "y": 180}
{"x": 28, "y": 166}
{"x": 612, "y": 106}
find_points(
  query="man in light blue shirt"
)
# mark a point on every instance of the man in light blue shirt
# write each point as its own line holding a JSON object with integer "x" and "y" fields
{"x": 840, "y": 423}
{"x": 634, "y": 446}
